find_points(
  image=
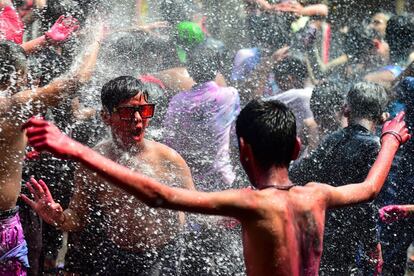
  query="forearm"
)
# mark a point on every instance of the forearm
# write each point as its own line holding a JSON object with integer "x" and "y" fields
{"x": 69, "y": 222}
{"x": 408, "y": 210}
{"x": 261, "y": 4}
{"x": 35, "y": 45}
{"x": 87, "y": 67}
{"x": 379, "y": 171}
{"x": 315, "y": 10}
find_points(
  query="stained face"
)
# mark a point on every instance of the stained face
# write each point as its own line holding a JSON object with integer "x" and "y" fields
{"x": 379, "y": 23}
{"x": 129, "y": 131}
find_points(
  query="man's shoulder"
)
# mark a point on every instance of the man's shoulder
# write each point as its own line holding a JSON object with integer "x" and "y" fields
{"x": 163, "y": 151}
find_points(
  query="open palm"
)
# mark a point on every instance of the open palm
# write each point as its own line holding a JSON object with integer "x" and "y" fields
{"x": 43, "y": 203}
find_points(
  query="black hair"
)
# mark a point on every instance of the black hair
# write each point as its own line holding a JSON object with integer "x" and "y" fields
{"x": 269, "y": 127}
{"x": 121, "y": 89}
{"x": 204, "y": 63}
{"x": 291, "y": 66}
{"x": 326, "y": 101}
{"x": 367, "y": 100}
{"x": 400, "y": 36}
{"x": 12, "y": 60}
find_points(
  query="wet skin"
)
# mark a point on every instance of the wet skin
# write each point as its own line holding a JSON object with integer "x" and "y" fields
{"x": 14, "y": 111}
{"x": 17, "y": 107}
{"x": 285, "y": 235}
{"x": 140, "y": 227}
{"x": 282, "y": 230}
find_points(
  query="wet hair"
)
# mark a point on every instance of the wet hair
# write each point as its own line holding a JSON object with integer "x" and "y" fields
{"x": 291, "y": 66}
{"x": 12, "y": 60}
{"x": 204, "y": 63}
{"x": 327, "y": 99}
{"x": 400, "y": 36}
{"x": 367, "y": 100}
{"x": 269, "y": 127}
{"x": 121, "y": 89}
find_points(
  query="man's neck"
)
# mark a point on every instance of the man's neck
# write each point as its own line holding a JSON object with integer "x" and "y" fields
{"x": 274, "y": 177}
{"x": 368, "y": 124}
{"x": 132, "y": 149}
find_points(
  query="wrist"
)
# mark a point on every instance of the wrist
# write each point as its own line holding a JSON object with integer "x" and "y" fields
{"x": 391, "y": 138}
{"x": 61, "y": 221}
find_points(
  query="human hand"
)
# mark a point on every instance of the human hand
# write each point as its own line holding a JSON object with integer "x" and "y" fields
{"x": 392, "y": 213}
{"x": 396, "y": 129}
{"x": 291, "y": 7}
{"x": 45, "y": 136}
{"x": 43, "y": 203}
{"x": 62, "y": 29}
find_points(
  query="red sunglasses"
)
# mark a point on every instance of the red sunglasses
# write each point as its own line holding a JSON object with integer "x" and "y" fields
{"x": 127, "y": 113}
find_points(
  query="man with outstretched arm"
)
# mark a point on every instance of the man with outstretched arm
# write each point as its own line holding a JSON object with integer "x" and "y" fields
{"x": 282, "y": 223}
{"x": 17, "y": 104}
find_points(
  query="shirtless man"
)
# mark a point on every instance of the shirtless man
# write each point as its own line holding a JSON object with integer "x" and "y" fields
{"x": 137, "y": 238}
{"x": 283, "y": 224}
{"x": 17, "y": 104}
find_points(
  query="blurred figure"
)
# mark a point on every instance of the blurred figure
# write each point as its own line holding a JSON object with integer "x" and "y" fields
{"x": 351, "y": 244}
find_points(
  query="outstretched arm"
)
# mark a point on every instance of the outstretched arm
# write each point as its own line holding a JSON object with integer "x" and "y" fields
{"x": 60, "y": 31}
{"x": 51, "y": 94}
{"x": 394, "y": 134}
{"x": 392, "y": 213}
{"x": 43, "y": 136}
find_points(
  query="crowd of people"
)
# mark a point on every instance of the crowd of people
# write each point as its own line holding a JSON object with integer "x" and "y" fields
{"x": 138, "y": 139}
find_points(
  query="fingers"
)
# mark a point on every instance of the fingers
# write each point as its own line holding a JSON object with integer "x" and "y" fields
{"x": 28, "y": 201}
{"x": 60, "y": 19}
{"x": 35, "y": 131}
{"x": 34, "y": 122}
{"x": 37, "y": 188}
{"x": 32, "y": 191}
{"x": 45, "y": 189}
{"x": 400, "y": 116}
{"x": 35, "y": 140}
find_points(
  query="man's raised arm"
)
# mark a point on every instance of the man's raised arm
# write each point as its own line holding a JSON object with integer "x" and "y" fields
{"x": 44, "y": 136}
{"x": 51, "y": 94}
{"x": 394, "y": 134}
{"x": 58, "y": 33}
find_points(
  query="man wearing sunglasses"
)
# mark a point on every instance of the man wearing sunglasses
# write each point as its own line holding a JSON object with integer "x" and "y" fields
{"x": 137, "y": 240}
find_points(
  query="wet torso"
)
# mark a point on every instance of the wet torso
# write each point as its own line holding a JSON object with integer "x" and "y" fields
{"x": 287, "y": 238}
{"x": 130, "y": 223}
{"x": 12, "y": 149}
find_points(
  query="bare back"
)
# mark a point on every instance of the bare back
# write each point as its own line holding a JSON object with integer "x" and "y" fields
{"x": 287, "y": 235}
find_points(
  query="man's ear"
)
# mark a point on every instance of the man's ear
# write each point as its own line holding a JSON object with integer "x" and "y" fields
{"x": 106, "y": 118}
{"x": 296, "y": 149}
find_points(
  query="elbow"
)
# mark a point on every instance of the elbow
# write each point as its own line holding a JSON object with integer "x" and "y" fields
{"x": 373, "y": 192}
{"x": 155, "y": 198}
